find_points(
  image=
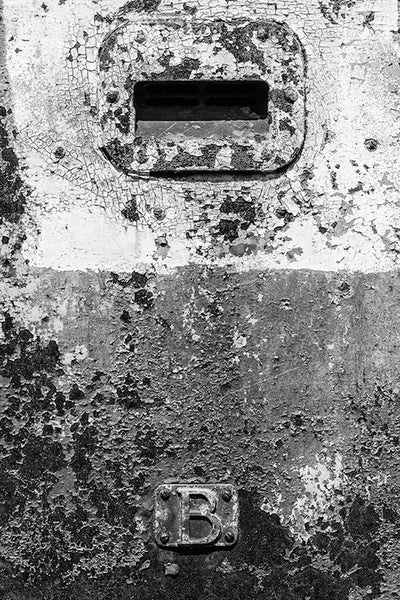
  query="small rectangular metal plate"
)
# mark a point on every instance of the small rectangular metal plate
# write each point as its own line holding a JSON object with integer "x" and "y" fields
{"x": 188, "y": 515}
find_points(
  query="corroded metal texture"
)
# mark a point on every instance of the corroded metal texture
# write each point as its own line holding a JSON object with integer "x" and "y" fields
{"x": 240, "y": 330}
{"x": 283, "y": 382}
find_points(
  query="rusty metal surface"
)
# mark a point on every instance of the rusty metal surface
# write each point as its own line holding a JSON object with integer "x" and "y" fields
{"x": 122, "y": 370}
{"x": 196, "y": 515}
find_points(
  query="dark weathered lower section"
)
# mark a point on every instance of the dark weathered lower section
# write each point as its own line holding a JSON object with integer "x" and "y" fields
{"x": 123, "y": 382}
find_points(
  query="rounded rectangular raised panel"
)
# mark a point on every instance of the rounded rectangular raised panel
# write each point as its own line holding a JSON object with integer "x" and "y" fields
{"x": 188, "y": 50}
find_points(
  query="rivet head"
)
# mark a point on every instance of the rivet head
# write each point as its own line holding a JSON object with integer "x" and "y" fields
{"x": 371, "y": 144}
{"x": 227, "y": 495}
{"x": 262, "y": 34}
{"x": 229, "y": 537}
{"x": 59, "y": 152}
{"x": 140, "y": 37}
{"x": 141, "y": 156}
{"x": 165, "y": 494}
{"x": 164, "y": 538}
{"x": 290, "y": 95}
{"x": 112, "y": 96}
{"x": 159, "y": 213}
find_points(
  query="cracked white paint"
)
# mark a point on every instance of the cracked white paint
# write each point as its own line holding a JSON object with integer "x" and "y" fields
{"x": 75, "y": 223}
{"x": 90, "y": 239}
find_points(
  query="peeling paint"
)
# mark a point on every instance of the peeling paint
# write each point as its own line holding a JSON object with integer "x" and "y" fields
{"x": 235, "y": 329}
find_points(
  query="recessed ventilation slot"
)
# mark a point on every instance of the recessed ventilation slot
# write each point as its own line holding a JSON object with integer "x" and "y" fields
{"x": 200, "y": 101}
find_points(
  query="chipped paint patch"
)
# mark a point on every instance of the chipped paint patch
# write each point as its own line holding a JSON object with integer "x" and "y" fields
{"x": 322, "y": 482}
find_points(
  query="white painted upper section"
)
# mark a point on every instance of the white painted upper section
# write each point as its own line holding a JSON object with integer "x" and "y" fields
{"x": 75, "y": 220}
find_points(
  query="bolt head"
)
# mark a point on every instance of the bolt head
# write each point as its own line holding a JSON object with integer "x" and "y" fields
{"x": 164, "y": 538}
{"x": 165, "y": 494}
{"x": 227, "y": 495}
{"x": 229, "y": 537}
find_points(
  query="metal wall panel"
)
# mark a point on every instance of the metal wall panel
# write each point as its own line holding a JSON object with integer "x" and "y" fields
{"x": 199, "y": 361}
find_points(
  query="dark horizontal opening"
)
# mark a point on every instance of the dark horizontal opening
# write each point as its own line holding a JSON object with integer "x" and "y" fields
{"x": 200, "y": 100}
{"x": 173, "y": 101}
